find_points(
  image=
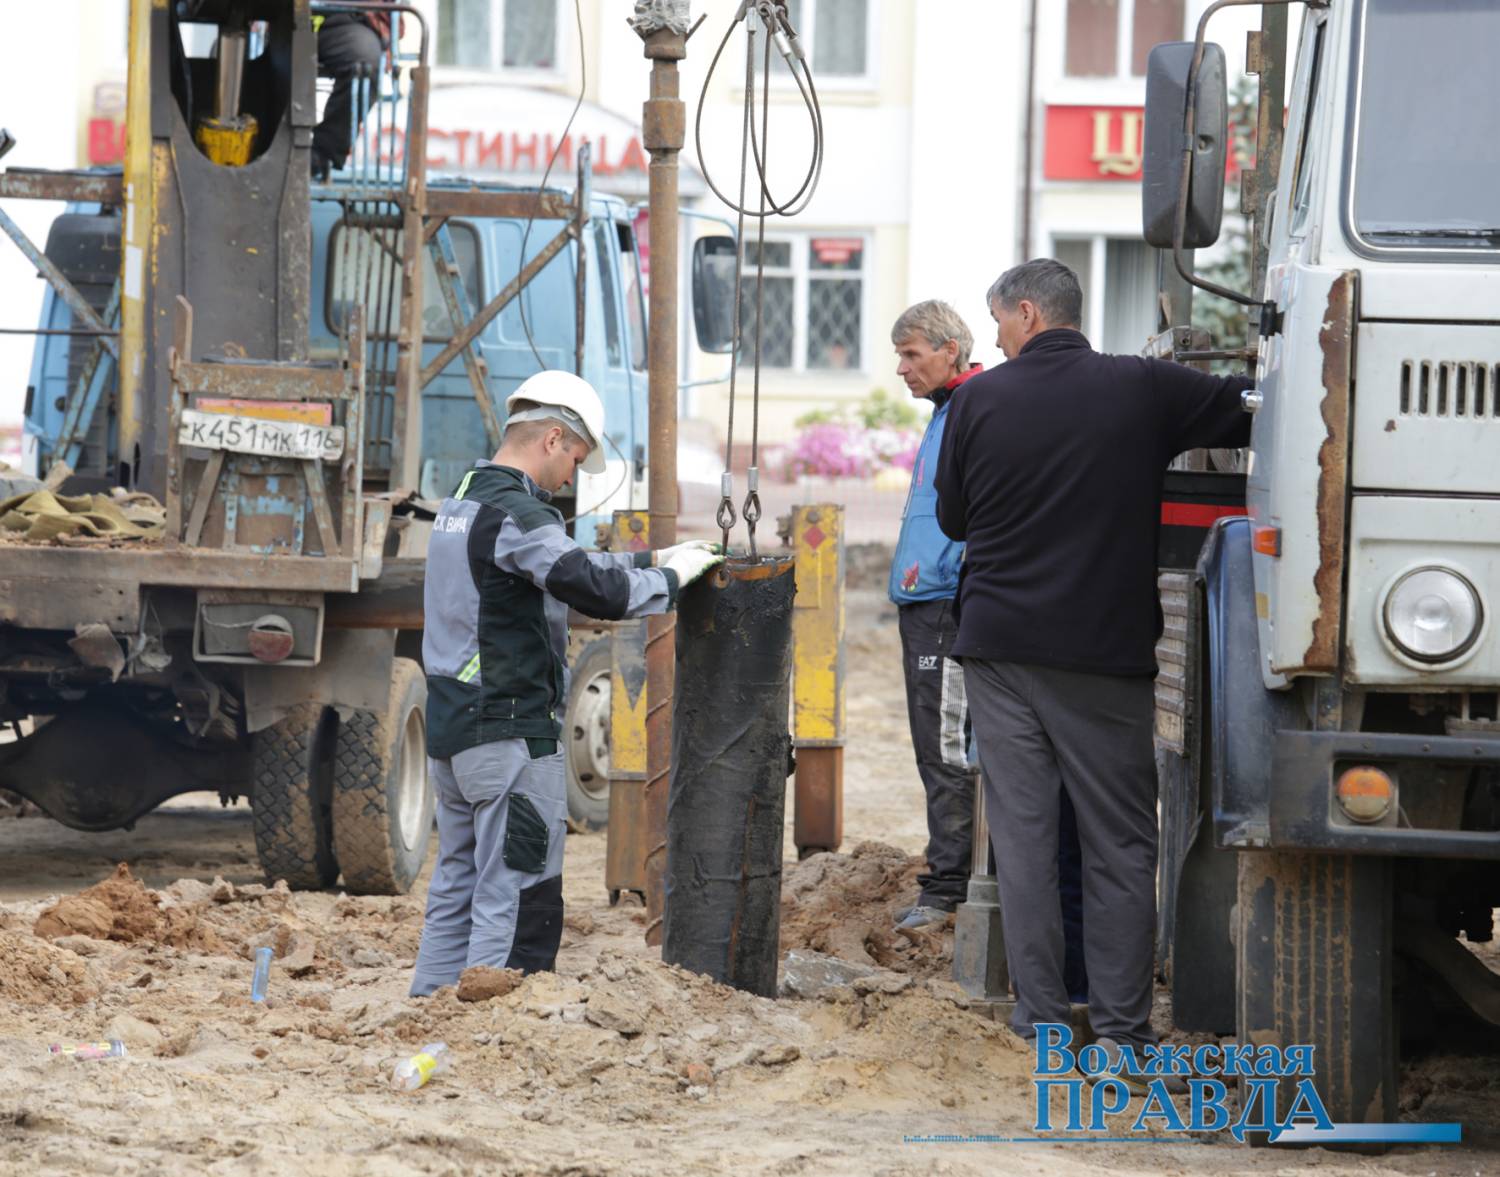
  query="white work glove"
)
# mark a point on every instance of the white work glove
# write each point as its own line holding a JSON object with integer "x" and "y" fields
{"x": 660, "y": 557}
{"x": 689, "y": 561}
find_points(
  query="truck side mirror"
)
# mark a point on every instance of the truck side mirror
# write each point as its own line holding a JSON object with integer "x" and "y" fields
{"x": 713, "y": 292}
{"x": 1167, "y": 80}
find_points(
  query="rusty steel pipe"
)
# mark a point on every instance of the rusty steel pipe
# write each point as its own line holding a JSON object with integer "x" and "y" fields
{"x": 664, "y": 125}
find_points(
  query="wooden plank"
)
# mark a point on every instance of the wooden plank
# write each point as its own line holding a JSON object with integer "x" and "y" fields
{"x": 317, "y": 495}
{"x": 204, "y": 497}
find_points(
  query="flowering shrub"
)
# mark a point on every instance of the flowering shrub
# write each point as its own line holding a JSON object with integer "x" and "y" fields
{"x": 833, "y": 449}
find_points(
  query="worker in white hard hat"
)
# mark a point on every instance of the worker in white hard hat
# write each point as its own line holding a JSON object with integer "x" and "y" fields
{"x": 502, "y": 573}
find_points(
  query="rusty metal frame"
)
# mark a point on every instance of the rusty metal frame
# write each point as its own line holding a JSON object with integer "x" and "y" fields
{"x": 280, "y": 382}
{"x": 76, "y": 187}
{"x": 456, "y": 299}
{"x": 59, "y": 282}
{"x": 470, "y": 330}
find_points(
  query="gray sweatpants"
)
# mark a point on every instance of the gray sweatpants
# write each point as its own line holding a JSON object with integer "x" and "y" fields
{"x": 1041, "y": 731}
{"x": 496, "y": 893}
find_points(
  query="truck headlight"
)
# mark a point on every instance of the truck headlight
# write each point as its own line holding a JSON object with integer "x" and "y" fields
{"x": 1433, "y": 614}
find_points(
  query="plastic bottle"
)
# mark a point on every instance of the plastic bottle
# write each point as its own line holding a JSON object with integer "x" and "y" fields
{"x": 114, "y": 1048}
{"x": 262, "y": 974}
{"x": 412, "y": 1073}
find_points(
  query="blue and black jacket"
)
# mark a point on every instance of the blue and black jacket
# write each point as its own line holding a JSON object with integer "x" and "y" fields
{"x": 502, "y": 573}
{"x": 927, "y": 562}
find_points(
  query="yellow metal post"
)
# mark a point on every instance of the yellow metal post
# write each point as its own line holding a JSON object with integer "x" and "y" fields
{"x": 137, "y": 260}
{"x": 818, "y": 677}
{"x": 627, "y": 842}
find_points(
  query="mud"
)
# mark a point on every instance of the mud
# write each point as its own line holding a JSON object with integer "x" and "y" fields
{"x": 617, "y": 1064}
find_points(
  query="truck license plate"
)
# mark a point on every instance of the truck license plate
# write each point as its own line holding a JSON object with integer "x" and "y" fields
{"x": 251, "y": 435}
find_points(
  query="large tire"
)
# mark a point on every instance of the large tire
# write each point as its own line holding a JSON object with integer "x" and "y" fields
{"x": 383, "y": 802}
{"x": 292, "y": 795}
{"x": 586, "y": 736}
{"x": 1313, "y": 940}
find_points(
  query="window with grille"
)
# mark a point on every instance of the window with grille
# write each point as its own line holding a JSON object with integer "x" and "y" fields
{"x": 516, "y": 35}
{"x": 772, "y": 297}
{"x": 1113, "y": 38}
{"x": 812, "y": 302}
{"x": 835, "y": 35}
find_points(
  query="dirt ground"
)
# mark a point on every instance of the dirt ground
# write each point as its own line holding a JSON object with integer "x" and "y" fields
{"x": 615, "y": 1065}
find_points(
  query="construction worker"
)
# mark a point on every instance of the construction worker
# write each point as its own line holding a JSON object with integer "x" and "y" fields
{"x": 349, "y": 48}
{"x": 502, "y": 574}
{"x": 933, "y": 344}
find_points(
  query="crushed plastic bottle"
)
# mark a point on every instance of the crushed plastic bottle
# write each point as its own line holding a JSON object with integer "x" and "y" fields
{"x": 412, "y": 1073}
{"x": 85, "y": 1051}
{"x": 262, "y": 974}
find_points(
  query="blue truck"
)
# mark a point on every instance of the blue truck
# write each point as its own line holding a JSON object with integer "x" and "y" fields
{"x": 296, "y": 371}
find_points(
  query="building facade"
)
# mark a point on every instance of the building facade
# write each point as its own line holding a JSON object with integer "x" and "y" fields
{"x": 960, "y": 136}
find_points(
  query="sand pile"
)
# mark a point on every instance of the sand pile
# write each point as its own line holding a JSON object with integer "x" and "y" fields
{"x": 846, "y": 905}
{"x": 33, "y": 972}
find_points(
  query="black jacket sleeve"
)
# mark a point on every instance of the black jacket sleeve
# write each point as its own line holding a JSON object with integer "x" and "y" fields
{"x": 952, "y": 506}
{"x": 1200, "y": 410}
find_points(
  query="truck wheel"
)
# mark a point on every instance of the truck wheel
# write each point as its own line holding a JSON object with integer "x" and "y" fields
{"x": 383, "y": 803}
{"x": 292, "y": 796}
{"x": 1314, "y": 950}
{"x": 586, "y": 736}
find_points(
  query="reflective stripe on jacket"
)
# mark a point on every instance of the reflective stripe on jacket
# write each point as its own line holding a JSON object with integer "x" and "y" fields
{"x": 502, "y": 573}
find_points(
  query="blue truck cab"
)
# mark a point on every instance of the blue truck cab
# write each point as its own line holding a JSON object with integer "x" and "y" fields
{"x": 535, "y": 330}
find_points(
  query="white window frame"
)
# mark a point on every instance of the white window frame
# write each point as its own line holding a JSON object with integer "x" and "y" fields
{"x": 1096, "y": 302}
{"x": 803, "y": 276}
{"x": 497, "y": 48}
{"x": 1124, "y": 46}
{"x": 781, "y": 79}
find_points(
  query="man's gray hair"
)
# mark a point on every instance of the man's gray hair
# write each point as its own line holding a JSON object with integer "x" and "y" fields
{"x": 936, "y": 322}
{"x": 1045, "y": 283}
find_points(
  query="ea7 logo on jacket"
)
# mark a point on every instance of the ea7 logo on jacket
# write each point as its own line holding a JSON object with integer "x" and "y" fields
{"x": 927, "y": 661}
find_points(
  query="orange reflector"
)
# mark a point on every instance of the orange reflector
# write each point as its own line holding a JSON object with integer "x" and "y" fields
{"x": 1365, "y": 793}
{"x": 1266, "y": 541}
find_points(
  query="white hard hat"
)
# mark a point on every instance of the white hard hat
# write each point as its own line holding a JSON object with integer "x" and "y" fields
{"x": 581, "y": 409}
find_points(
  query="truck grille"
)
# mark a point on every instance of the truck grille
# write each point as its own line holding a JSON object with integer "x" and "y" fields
{"x": 1450, "y": 388}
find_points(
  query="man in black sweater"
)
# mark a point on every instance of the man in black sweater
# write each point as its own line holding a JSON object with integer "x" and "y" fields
{"x": 1051, "y": 471}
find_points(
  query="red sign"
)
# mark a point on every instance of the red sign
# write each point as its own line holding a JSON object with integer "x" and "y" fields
{"x": 106, "y": 141}
{"x": 835, "y": 251}
{"x": 1094, "y": 143}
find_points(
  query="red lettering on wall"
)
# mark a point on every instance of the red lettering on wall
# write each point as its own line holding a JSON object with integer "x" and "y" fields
{"x": 564, "y": 152}
{"x": 106, "y": 141}
{"x": 633, "y": 158}
{"x": 529, "y": 150}
{"x": 1094, "y": 143}
{"x": 491, "y": 154}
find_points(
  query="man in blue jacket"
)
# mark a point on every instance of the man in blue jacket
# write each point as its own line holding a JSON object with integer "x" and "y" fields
{"x": 933, "y": 344}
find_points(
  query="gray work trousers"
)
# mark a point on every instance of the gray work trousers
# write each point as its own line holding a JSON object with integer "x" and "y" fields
{"x": 496, "y": 893}
{"x": 1041, "y": 731}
